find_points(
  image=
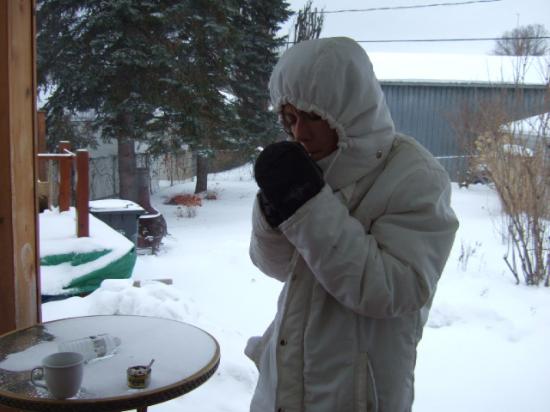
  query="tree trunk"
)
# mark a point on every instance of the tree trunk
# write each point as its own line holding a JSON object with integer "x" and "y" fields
{"x": 144, "y": 194}
{"x": 152, "y": 226}
{"x": 127, "y": 169}
{"x": 202, "y": 174}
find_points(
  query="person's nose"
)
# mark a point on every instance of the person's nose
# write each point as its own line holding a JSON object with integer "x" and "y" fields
{"x": 301, "y": 131}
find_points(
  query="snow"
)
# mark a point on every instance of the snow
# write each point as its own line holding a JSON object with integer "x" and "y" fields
{"x": 58, "y": 237}
{"x": 516, "y": 149}
{"x": 538, "y": 126}
{"x": 140, "y": 338}
{"x": 109, "y": 205}
{"x": 460, "y": 68}
{"x": 485, "y": 347}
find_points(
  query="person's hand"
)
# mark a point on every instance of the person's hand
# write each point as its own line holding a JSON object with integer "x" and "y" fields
{"x": 287, "y": 178}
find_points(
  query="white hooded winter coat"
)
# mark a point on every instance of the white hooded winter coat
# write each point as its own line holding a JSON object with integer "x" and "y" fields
{"x": 360, "y": 260}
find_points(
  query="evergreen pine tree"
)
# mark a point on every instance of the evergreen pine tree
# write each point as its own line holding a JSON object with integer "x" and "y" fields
{"x": 197, "y": 109}
{"x": 255, "y": 56}
{"x": 104, "y": 58}
{"x": 161, "y": 71}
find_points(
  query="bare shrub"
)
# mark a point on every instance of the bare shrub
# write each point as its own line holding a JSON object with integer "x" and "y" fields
{"x": 466, "y": 252}
{"x": 515, "y": 157}
{"x": 186, "y": 211}
{"x": 520, "y": 177}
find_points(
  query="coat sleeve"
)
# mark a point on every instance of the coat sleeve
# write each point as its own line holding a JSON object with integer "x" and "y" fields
{"x": 270, "y": 251}
{"x": 389, "y": 268}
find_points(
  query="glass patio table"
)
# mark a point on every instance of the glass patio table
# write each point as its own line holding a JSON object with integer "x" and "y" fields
{"x": 185, "y": 357}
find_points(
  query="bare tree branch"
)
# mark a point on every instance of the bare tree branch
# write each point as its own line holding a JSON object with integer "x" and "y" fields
{"x": 523, "y": 41}
{"x": 309, "y": 23}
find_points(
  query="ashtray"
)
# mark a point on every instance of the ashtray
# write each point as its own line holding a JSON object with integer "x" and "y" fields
{"x": 138, "y": 376}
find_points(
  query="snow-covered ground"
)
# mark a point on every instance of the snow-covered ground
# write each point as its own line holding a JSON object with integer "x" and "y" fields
{"x": 486, "y": 346}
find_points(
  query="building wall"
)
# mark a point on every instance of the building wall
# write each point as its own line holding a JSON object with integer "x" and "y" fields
{"x": 429, "y": 112}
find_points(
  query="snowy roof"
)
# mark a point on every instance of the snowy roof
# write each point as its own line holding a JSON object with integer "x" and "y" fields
{"x": 106, "y": 205}
{"x": 538, "y": 125}
{"x": 459, "y": 68}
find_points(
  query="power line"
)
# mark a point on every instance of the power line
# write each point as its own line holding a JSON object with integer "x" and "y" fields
{"x": 417, "y": 6}
{"x": 445, "y": 40}
{"x": 451, "y": 40}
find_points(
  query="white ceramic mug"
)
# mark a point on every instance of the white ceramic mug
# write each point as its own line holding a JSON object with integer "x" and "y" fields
{"x": 62, "y": 373}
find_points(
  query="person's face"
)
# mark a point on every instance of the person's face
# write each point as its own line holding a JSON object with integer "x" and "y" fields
{"x": 310, "y": 130}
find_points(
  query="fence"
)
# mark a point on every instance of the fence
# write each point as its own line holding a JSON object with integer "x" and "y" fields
{"x": 171, "y": 167}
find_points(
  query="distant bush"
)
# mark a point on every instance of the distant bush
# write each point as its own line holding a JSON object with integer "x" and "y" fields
{"x": 185, "y": 200}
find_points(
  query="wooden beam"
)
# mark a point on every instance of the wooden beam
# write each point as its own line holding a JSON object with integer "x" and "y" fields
{"x": 54, "y": 156}
{"x": 65, "y": 169}
{"x": 41, "y": 145}
{"x": 19, "y": 283}
{"x": 82, "y": 193}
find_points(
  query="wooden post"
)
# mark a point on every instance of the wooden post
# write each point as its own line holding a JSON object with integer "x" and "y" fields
{"x": 82, "y": 193}
{"x": 41, "y": 137}
{"x": 19, "y": 281}
{"x": 65, "y": 168}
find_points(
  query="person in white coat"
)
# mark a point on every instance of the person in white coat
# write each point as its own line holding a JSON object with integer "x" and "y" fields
{"x": 355, "y": 219}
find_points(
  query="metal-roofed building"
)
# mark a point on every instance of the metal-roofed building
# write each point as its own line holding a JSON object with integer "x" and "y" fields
{"x": 427, "y": 93}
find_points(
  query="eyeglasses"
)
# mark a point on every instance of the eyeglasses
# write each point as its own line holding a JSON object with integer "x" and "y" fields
{"x": 289, "y": 119}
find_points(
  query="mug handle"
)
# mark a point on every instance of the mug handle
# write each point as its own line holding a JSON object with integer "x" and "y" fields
{"x": 37, "y": 382}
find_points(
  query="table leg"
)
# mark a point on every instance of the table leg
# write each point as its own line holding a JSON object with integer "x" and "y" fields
{"x": 142, "y": 409}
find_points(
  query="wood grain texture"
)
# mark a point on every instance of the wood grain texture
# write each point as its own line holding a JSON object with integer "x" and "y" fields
{"x": 41, "y": 145}
{"x": 82, "y": 193}
{"x": 65, "y": 168}
{"x": 19, "y": 294}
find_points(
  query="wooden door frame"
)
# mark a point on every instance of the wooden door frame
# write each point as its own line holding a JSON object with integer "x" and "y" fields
{"x": 19, "y": 255}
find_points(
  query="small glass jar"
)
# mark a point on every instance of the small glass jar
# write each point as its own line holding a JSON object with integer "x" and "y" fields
{"x": 138, "y": 376}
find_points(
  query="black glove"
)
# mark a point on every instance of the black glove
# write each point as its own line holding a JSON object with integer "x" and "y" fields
{"x": 287, "y": 177}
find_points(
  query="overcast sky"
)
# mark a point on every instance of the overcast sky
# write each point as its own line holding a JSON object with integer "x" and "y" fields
{"x": 488, "y": 19}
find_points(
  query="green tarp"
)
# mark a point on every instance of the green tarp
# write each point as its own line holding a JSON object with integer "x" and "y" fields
{"x": 75, "y": 259}
{"x": 117, "y": 269}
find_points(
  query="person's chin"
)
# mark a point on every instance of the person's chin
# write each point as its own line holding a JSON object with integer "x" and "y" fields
{"x": 316, "y": 155}
{"x": 319, "y": 155}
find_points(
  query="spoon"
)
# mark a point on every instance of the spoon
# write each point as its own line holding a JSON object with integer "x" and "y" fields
{"x": 149, "y": 366}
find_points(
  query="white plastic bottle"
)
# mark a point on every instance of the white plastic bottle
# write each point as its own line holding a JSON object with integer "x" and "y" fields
{"x": 91, "y": 347}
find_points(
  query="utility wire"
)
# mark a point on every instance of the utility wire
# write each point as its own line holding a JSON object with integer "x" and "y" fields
{"x": 451, "y": 40}
{"x": 444, "y": 40}
{"x": 417, "y": 6}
